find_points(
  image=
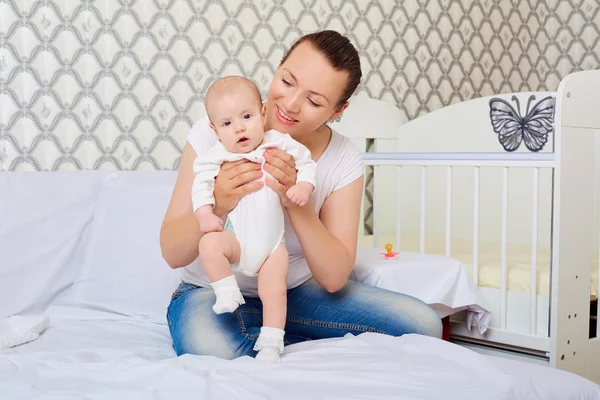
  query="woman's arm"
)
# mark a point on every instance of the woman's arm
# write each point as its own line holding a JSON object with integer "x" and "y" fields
{"x": 180, "y": 231}
{"x": 329, "y": 241}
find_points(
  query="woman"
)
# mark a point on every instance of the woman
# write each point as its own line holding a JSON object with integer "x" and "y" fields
{"x": 311, "y": 87}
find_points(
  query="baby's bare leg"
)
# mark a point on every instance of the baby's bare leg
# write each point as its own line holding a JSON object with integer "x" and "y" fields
{"x": 217, "y": 250}
{"x": 272, "y": 290}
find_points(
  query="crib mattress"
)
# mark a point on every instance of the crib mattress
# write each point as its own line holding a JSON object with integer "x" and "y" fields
{"x": 94, "y": 355}
{"x": 518, "y": 261}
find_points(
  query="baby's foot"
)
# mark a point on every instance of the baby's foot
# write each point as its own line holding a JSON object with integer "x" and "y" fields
{"x": 225, "y": 306}
{"x": 268, "y": 354}
{"x": 269, "y": 344}
{"x": 228, "y": 294}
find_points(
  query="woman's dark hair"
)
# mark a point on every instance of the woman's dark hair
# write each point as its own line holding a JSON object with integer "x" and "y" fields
{"x": 340, "y": 53}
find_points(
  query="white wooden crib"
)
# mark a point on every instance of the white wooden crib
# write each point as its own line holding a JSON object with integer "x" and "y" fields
{"x": 524, "y": 223}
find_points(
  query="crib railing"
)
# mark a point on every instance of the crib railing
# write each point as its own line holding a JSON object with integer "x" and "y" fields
{"x": 477, "y": 161}
{"x": 564, "y": 183}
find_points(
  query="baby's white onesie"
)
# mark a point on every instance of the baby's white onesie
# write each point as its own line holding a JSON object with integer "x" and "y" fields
{"x": 257, "y": 220}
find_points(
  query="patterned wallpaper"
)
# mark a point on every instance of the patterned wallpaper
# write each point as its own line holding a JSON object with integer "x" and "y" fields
{"x": 117, "y": 83}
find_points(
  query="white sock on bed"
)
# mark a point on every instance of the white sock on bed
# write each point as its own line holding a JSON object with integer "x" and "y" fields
{"x": 269, "y": 344}
{"x": 229, "y": 296}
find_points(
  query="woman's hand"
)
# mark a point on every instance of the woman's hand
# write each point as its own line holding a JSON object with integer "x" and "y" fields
{"x": 234, "y": 181}
{"x": 282, "y": 167}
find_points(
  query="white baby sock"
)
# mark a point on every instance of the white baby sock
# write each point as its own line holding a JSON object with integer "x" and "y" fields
{"x": 228, "y": 294}
{"x": 269, "y": 344}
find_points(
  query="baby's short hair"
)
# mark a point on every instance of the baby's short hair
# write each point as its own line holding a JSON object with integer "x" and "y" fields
{"x": 230, "y": 85}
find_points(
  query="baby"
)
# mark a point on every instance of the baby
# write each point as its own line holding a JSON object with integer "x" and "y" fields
{"x": 251, "y": 239}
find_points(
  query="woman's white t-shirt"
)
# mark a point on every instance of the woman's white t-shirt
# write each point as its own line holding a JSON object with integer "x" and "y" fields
{"x": 339, "y": 165}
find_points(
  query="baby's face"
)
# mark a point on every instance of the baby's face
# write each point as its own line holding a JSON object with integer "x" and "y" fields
{"x": 238, "y": 121}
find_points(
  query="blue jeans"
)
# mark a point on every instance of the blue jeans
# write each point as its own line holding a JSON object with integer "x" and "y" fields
{"x": 312, "y": 313}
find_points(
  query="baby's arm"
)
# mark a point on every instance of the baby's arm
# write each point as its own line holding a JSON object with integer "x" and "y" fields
{"x": 206, "y": 168}
{"x": 300, "y": 193}
{"x": 208, "y": 221}
{"x": 306, "y": 178}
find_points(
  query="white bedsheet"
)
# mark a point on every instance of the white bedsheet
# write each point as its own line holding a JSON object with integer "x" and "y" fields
{"x": 96, "y": 355}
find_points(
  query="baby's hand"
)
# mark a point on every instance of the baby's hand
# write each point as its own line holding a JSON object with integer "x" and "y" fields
{"x": 300, "y": 192}
{"x": 209, "y": 222}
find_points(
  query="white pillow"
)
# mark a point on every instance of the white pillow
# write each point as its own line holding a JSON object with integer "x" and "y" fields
{"x": 45, "y": 220}
{"x": 123, "y": 270}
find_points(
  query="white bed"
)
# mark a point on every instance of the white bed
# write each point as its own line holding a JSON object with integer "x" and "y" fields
{"x": 524, "y": 224}
{"x": 103, "y": 356}
{"x": 82, "y": 248}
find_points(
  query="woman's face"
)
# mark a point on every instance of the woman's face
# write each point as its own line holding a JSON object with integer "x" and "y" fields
{"x": 304, "y": 93}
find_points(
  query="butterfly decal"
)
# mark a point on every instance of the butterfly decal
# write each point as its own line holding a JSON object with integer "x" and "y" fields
{"x": 512, "y": 128}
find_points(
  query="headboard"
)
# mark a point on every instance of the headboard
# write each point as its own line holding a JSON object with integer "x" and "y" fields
{"x": 476, "y": 125}
{"x": 373, "y": 126}
{"x": 367, "y": 119}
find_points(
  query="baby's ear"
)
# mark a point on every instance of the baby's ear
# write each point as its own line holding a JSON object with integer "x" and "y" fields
{"x": 212, "y": 127}
{"x": 263, "y": 112}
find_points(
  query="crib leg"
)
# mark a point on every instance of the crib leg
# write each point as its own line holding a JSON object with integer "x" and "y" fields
{"x": 446, "y": 328}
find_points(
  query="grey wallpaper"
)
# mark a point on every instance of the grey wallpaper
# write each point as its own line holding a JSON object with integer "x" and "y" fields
{"x": 116, "y": 84}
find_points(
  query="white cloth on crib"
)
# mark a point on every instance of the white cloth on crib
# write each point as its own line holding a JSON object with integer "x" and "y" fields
{"x": 442, "y": 282}
{"x": 258, "y": 219}
{"x": 19, "y": 329}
